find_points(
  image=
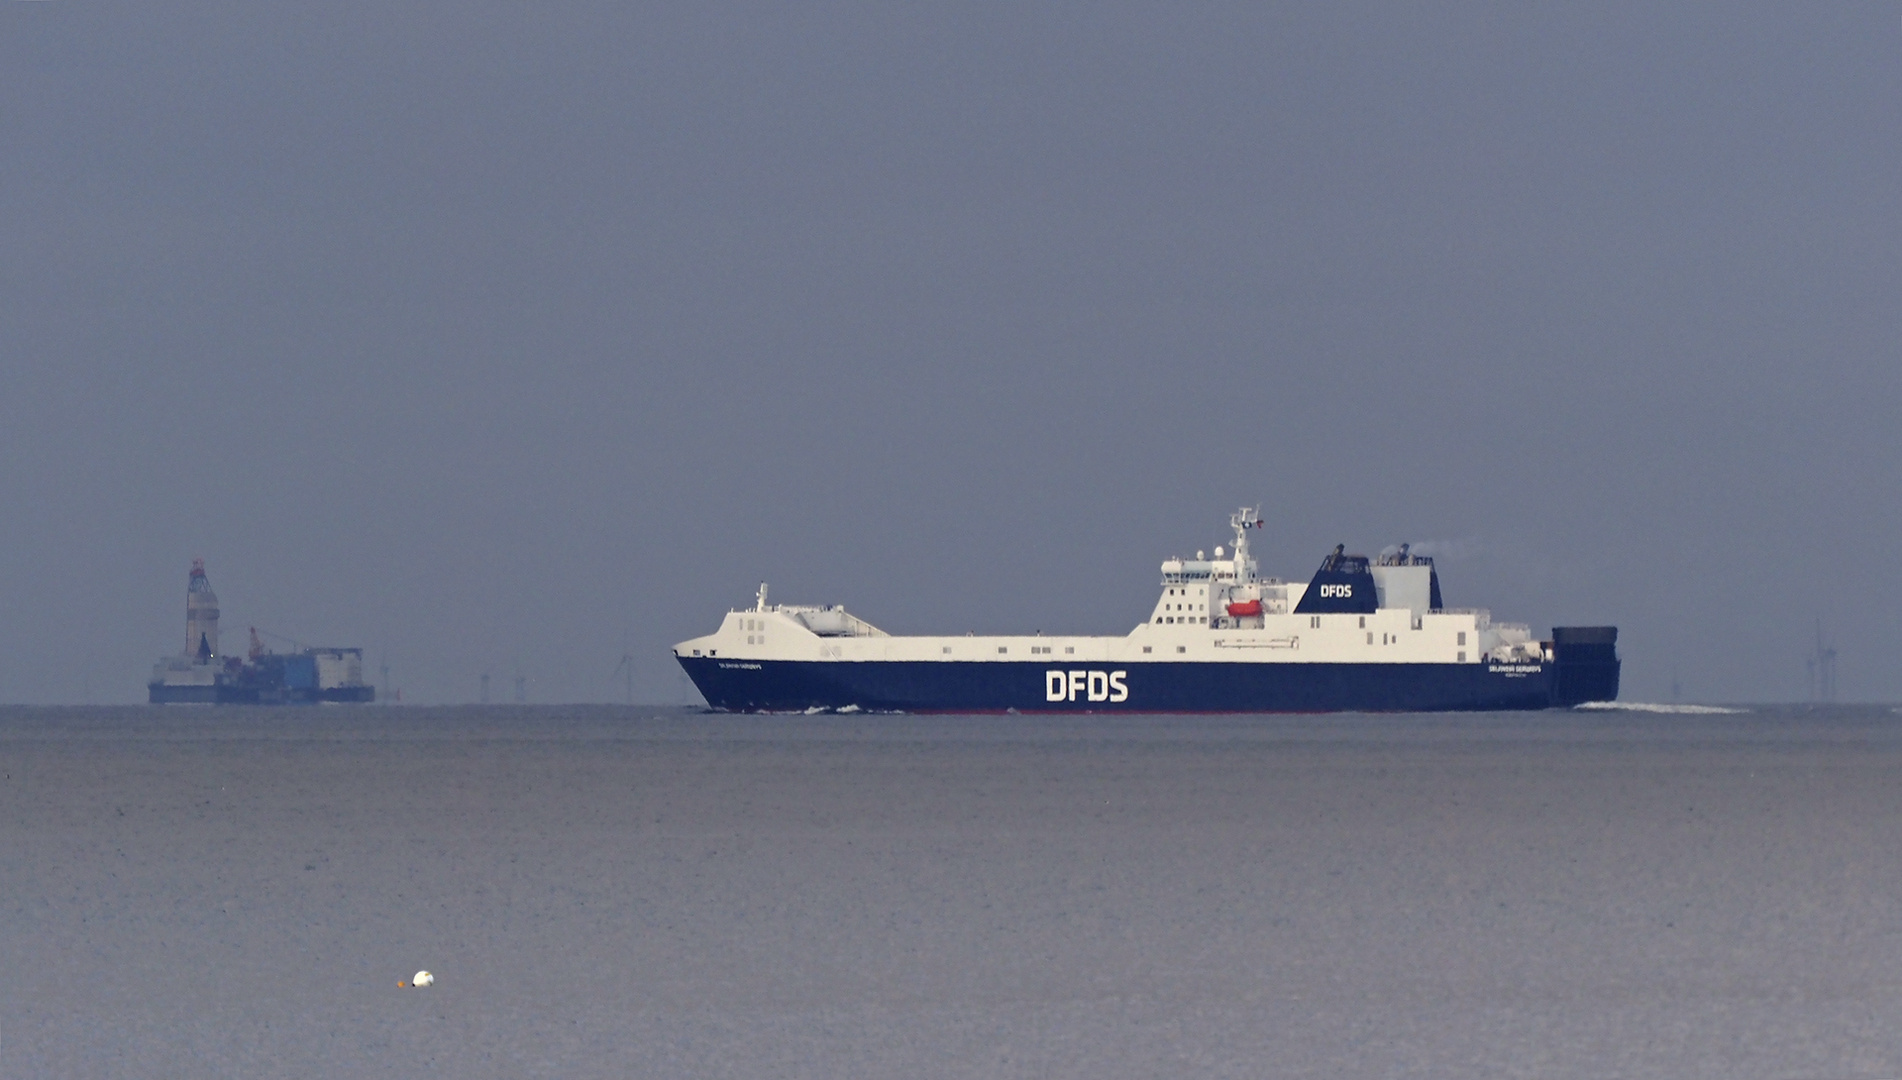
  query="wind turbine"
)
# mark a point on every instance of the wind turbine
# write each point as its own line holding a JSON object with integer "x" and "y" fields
{"x": 627, "y": 666}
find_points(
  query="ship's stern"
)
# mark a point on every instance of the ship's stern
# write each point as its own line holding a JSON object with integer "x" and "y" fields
{"x": 1585, "y": 664}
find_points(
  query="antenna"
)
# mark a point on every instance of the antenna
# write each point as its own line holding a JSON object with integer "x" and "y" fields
{"x": 485, "y": 688}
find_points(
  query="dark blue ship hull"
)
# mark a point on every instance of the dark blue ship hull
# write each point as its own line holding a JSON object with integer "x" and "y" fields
{"x": 235, "y": 693}
{"x": 197, "y": 694}
{"x": 925, "y": 686}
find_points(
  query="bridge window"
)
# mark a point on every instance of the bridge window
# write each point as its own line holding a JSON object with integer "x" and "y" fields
{"x": 1314, "y": 622}
{"x": 1069, "y": 650}
{"x": 947, "y": 650}
{"x": 1002, "y": 649}
{"x": 1182, "y": 648}
{"x": 1462, "y": 640}
{"x": 1363, "y": 624}
{"x": 1148, "y": 649}
{"x": 1462, "y": 658}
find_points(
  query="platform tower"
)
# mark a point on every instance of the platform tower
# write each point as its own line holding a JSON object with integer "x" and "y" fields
{"x": 201, "y": 616}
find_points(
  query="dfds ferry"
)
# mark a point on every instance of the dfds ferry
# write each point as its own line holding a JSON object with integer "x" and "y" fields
{"x": 1363, "y": 634}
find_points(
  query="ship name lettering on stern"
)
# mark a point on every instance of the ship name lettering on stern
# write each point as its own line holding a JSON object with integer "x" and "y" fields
{"x": 1089, "y": 685}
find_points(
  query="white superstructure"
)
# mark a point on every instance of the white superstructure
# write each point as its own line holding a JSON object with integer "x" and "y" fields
{"x": 1208, "y": 610}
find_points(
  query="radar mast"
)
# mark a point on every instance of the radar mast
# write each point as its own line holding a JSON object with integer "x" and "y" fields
{"x": 1248, "y": 517}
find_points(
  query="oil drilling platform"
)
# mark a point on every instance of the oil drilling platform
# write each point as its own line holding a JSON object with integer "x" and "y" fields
{"x": 203, "y": 675}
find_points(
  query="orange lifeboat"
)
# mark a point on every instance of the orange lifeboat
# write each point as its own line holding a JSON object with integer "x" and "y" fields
{"x": 1245, "y": 609}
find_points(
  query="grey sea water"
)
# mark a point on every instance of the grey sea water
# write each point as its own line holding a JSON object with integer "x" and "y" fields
{"x": 626, "y": 892}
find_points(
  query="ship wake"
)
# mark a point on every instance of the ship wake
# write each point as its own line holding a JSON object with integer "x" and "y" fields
{"x": 1650, "y": 707}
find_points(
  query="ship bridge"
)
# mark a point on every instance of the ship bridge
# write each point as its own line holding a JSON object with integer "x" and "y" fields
{"x": 1393, "y": 600}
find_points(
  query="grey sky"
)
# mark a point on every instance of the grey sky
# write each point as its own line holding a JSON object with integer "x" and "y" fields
{"x": 508, "y": 337}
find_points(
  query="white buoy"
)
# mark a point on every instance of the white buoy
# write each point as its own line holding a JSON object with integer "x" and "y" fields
{"x": 423, "y": 978}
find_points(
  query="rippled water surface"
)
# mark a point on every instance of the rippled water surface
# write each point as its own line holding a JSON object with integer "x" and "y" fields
{"x": 624, "y": 892}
